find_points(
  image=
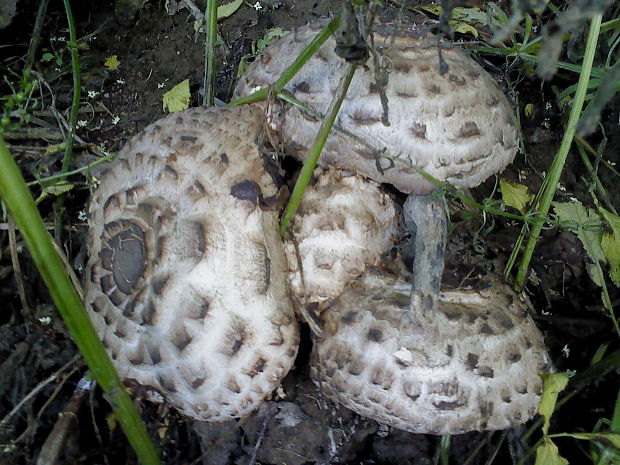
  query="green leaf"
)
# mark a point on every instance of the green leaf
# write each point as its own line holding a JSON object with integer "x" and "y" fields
{"x": 224, "y": 11}
{"x": 268, "y": 38}
{"x": 610, "y": 243}
{"x": 112, "y": 63}
{"x": 258, "y": 47}
{"x": 529, "y": 110}
{"x": 553, "y": 384}
{"x": 586, "y": 223}
{"x": 177, "y": 98}
{"x": 47, "y": 57}
{"x": 58, "y": 189}
{"x": 548, "y": 454}
{"x": 515, "y": 195}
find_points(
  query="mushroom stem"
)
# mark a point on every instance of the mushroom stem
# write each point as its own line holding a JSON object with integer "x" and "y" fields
{"x": 426, "y": 221}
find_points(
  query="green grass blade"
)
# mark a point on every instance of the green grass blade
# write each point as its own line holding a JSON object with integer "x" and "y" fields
{"x": 553, "y": 176}
{"x": 73, "y": 117}
{"x": 19, "y": 201}
{"x": 210, "y": 42}
{"x": 315, "y": 151}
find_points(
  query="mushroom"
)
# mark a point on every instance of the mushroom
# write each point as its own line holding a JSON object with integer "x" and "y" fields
{"x": 457, "y": 126}
{"x": 344, "y": 223}
{"x": 472, "y": 364}
{"x": 186, "y": 281}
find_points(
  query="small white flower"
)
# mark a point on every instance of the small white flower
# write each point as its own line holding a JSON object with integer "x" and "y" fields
{"x": 257, "y": 6}
{"x": 548, "y": 106}
{"x": 120, "y": 81}
{"x": 82, "y": 123}
{"x": 115, "y": 120}
{"x": 45, "y": 320}
{"x": 255, "y": 89}
{"x": 566, "y": 351}
{"x": 92, "y": 93}
{"x": 161, "y": 85}
{"x": 571, "y": 373}
{"x": 82, "y": 215}
{"x": 561, "y": 187}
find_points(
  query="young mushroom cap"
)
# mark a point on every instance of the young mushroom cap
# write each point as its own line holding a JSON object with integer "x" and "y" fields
{"x": 457, "y": 126}
{"x": 472, "y": 365}
{"x": 186, "y": 281}
{"x": 344, "y": 223}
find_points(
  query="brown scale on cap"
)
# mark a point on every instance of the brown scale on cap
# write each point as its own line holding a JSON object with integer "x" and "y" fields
{"x": 187, "y": 281}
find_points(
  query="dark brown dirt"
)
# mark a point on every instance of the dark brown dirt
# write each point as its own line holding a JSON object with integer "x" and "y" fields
{"x": 298, "y": 426}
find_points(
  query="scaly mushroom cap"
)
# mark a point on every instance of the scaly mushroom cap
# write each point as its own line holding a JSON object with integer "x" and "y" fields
{"x": 472, "y": 365}
{"x": 459, "y": 127}
{"x": 186, "y": 282}
{"x": 344, "y": 223}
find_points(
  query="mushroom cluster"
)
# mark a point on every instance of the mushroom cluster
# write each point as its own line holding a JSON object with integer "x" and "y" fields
{"x": 410, "y": 356}
{"x": 188, "y": 282}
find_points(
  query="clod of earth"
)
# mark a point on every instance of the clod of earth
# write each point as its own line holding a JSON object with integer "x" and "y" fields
{"x": 187, "y": 279}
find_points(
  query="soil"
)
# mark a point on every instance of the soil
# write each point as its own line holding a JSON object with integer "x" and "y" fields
{"x": 298, "y": 426}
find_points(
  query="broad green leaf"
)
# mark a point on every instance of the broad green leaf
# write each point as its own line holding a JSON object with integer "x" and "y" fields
{"x": 584, "y": 222}
{"x": 606, "y": 438}
{"x": 548, "y": 454}
{"x": 224, "y": 11}
{"x": 177, "y": 98}
{"x": 553, "y": 384}
{"x": 515, "y": 195}
{"x": 47, "y": 57}
{"x": 610, "y": 243}
{"x": 112, "y": 63}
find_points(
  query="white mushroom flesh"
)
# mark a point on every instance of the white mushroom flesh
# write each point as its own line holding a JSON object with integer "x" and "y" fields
{"x": 186, "y": 281}
{"x": 472, "y": 365}
{"x": 458, "y": 127}
{"x": 344, "y": 223}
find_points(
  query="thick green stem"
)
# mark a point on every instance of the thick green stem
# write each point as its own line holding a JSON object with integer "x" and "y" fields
{"x": 20, "y": 204}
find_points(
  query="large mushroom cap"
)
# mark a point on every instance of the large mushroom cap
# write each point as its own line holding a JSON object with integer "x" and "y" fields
{"x": 458, "y": 126}
{"x": 473, "y": 364}
{"x": 344, "y": 223}
{"x": 186, "y": 282}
